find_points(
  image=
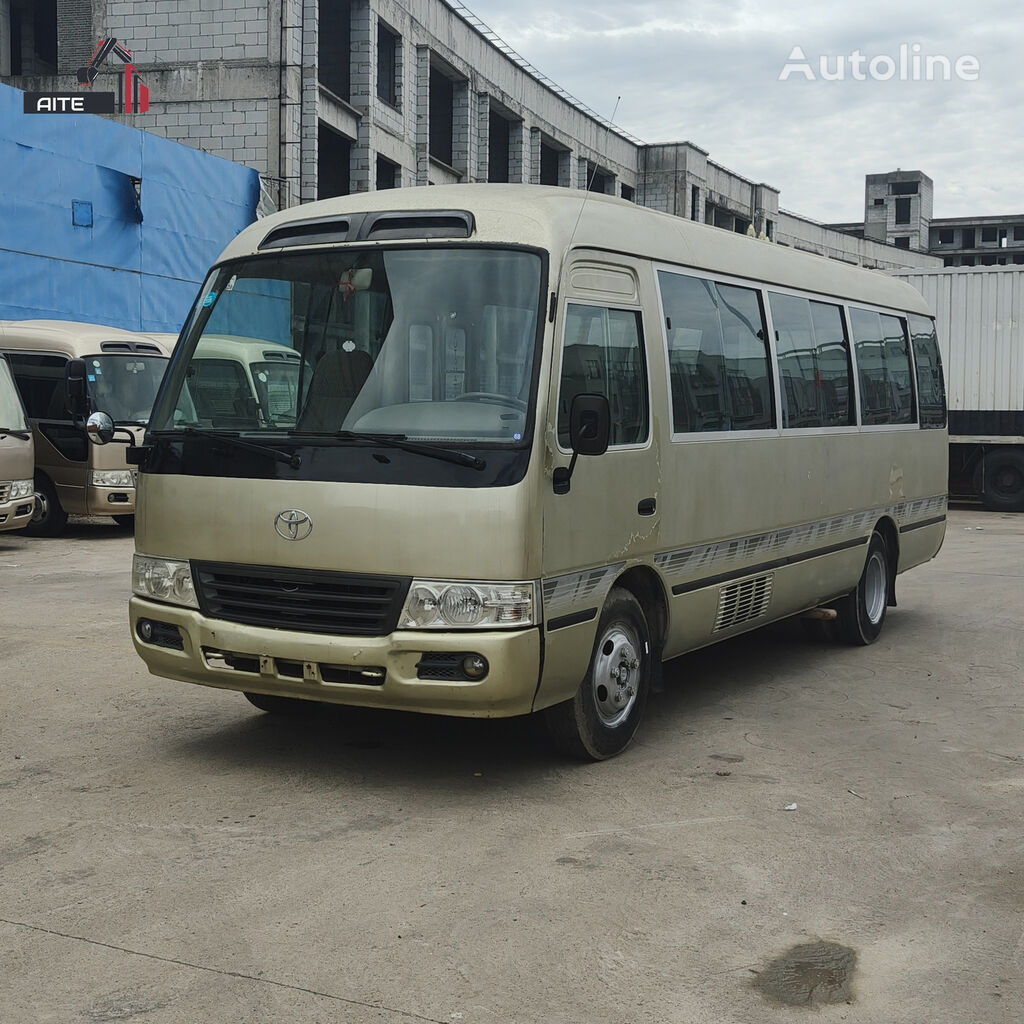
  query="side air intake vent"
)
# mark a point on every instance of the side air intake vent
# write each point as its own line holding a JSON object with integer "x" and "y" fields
{"x": 743, "y": 601}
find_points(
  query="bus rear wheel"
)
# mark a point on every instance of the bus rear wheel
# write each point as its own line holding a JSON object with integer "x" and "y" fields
{"x": 603, "y": 716}
{"x": 862, "y": 611}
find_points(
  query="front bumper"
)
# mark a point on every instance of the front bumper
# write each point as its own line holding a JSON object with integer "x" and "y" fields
{"x": 375, "y": 672}
{"x": 109, "y": 501}
{"x": 17, "y": 513}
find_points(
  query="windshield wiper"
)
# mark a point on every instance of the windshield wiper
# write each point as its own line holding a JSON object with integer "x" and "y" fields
{"x": 10, "y": 432}
{"x": 234, "y": 441}
{"x": 402, "y": 442}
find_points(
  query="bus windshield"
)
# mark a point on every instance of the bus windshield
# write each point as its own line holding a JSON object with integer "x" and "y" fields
{"x": 124, "y": 386}
{"x": 431, "y": 344}
{"x": 11, "y": 415}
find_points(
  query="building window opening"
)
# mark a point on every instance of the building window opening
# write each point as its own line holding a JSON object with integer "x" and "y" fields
{"x": 901, "y": 241}
{"x": 333, "y": 154}
{"x": 946, "y": 236}
{"x": 903, "y": 188}
{"x": 387, "y": 174}
{"x": 694, "y": 202}
{"x": 627, "y": 192}
{"x": 988, "y": 234}
{"x": 549, "y": 160}
{"x": 902, "y": 211}
{"x": 879, "y": 202}
{"x": 499, "y": 146}
{"x": 967, "y": 239}
{"x": 334, "y": 67}
{"x": 387, "y": 64}
{"x": 442, "y": 100}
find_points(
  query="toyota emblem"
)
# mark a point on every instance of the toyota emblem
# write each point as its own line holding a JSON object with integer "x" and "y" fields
{"x": 293, "y": 524}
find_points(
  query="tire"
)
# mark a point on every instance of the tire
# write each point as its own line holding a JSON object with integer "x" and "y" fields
{"x": 125, "y": 522}
{"x": 49, "y": 518}
{"x": 603, "y": 716}
{"x": 862, "y": 611}
{"x": 1002, "y": 481}
{"x": 286, "y": 706}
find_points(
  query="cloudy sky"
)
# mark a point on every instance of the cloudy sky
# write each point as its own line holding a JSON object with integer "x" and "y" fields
{"x": 709, "y": 72}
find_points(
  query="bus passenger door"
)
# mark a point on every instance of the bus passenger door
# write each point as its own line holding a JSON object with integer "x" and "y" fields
{"x": 610, "y": 516}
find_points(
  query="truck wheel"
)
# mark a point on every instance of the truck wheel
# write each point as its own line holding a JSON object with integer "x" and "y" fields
{"x": 601, "y": 719}
{"x": 49, "y": 518}
{"x": 862, "y": 611}
{"x": 1002, "y": 481}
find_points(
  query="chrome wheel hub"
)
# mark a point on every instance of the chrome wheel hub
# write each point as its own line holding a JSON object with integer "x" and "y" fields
{"x": 616, "y": 675}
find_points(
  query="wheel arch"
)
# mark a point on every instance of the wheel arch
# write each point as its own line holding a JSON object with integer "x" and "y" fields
{"x": 887, "y": 529}
{"x": 646, "y": 586}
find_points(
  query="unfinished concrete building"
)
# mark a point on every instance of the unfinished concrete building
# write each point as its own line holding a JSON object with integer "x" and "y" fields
{"x": 328, "y": 97}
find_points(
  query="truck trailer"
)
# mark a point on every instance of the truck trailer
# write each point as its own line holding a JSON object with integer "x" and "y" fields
{"x": 981, "y": 337}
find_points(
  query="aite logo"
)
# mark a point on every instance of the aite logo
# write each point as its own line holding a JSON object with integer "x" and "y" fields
{"x": 133, "y": 98}
{"x": 909, "y": 65}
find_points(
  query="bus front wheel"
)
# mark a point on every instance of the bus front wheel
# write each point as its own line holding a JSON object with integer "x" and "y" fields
{"x": 862, "y": 611}
{"x": 602, "y": 717}
{"x": 49, "y": 517}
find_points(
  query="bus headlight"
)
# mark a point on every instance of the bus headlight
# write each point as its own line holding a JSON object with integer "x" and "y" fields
{"x": 21, "y": 489}
{"x": 111, "y": 478}
{"x": 163, "y": 579}
{"x": 455, "y": 604}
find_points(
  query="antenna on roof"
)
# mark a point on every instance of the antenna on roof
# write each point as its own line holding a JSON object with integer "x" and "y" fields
{"x": 586, "y": 193}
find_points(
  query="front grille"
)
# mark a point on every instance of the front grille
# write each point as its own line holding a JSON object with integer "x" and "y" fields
{"x": 306, "y": 600}
{"x": 5, "y": 490}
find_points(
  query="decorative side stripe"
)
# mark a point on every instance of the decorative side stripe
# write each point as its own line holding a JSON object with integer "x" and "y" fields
{"x": 576, "y": 587}
{"x": 572, "y": 620}
{"x": 756, "y": 570}
{"x": 924, "y": 522}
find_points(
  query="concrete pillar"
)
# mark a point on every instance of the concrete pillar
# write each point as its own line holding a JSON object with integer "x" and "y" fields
{"x": 483, "y": 137}
{"x": 422, "y": 86}
{"x": 310, "y": 100}
{"x": 535, "y": 144}
{"x": 463, "y": 129}
{"x": 518, "y": 158}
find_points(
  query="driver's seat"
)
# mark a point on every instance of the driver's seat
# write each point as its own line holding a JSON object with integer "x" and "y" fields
{"x": 338, "y": 378}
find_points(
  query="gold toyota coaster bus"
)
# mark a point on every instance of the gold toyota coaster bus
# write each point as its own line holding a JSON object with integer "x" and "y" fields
{"x": 541, "y": 442}
{"x": 17, "y": 500}
{"x": 62, "y": 370}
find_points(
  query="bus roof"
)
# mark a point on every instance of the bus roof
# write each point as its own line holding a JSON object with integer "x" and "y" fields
{"x": 72, "y": 338}
{"x": 550, "y": 218}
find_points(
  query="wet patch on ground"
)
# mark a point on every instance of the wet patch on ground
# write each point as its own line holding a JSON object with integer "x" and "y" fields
{"x": 811, "y": 974}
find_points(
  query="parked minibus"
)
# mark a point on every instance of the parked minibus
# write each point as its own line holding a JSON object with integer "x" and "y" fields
{"x": 17, "y": 499}
{"x": 118, "y": 371}
{"x": 549, "y": 441}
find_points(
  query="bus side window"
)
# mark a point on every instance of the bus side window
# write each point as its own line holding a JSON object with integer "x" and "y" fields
{"x": 717, "y": 355}
{"x": 813, "y": 361}
{"x": 603, "y": 354}
{"x": 931, "y": 390}
{"x": 883, "y": 367}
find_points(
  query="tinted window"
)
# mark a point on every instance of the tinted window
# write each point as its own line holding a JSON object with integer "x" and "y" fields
{"x": 718, "y": 359}
{"x": 931, "y": 392}
{"x": 883, "y": 367}
{"x": 814, "y": 362}
{"x": 603, "y": 355}
{"x": 41, "y": 383}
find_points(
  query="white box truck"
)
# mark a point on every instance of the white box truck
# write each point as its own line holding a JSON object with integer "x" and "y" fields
{"x": 981, "y": 338}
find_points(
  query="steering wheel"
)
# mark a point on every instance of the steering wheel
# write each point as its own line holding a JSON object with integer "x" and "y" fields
{"x": 491, "y": 398}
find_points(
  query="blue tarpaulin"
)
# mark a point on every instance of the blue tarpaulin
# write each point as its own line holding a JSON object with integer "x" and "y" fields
{"x": 103, "y": 223}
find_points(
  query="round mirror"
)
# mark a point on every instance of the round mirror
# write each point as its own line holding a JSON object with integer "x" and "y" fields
{"x": 100, "y": 428}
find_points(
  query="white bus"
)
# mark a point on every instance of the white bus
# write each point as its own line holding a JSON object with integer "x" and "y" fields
{"x": 550, "y": 440}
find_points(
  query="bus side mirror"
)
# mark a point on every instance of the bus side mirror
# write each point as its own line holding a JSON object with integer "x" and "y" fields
{"x": 77, "y": 389}
{"x": 589, "y": 432}
{"x": 99, "y": 428}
